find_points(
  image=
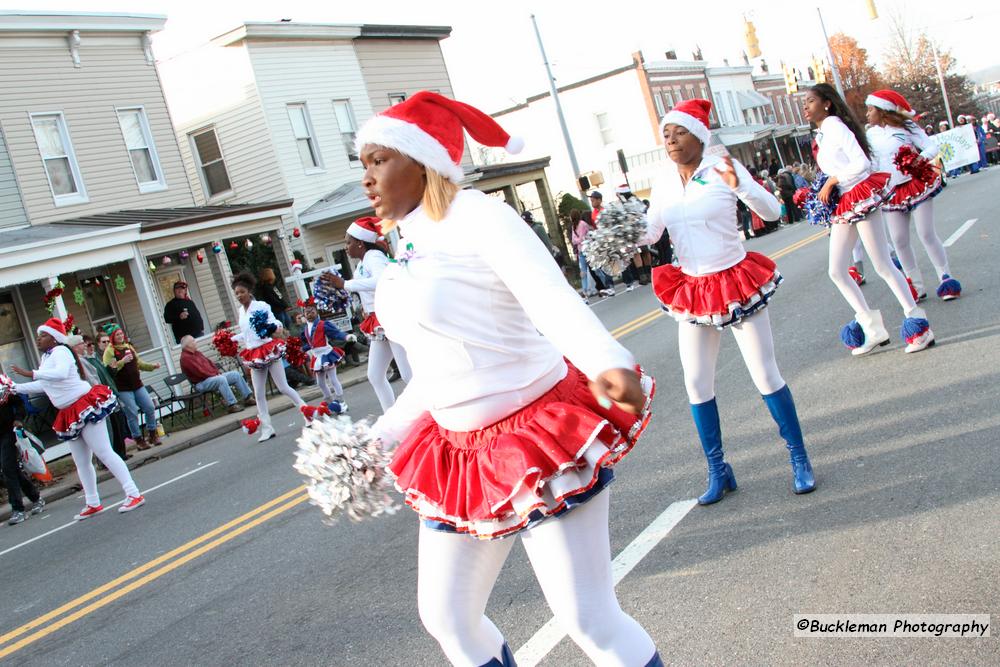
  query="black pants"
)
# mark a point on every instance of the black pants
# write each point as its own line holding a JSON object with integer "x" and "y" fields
{"x": 17, "y": 484}
{"x": 790, "y": 210}
{"x": 119, "y": 431}
{"x": 630, "y": 275}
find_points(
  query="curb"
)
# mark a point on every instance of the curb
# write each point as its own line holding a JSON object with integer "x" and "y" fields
{"x": 65, "y": 489}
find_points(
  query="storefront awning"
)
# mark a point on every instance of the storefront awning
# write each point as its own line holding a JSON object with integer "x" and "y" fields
{"x": 751, "y": 99}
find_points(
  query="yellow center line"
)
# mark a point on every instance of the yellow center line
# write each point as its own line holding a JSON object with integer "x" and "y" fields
{"x": 234, "y": 528}
{"x": 138, "y": 571}
{"x": 653, "y": 315}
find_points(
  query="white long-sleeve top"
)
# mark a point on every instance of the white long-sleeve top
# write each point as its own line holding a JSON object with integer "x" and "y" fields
{"x": 885, "y": 142}
{"x": 58, "y": 378}
{"x": 701, "y": 216}
{"x": 247, "y": 336}
{"x": 840, "y": 154}
{"x": 369, "y": 271}
{"x": 469, "y": 307}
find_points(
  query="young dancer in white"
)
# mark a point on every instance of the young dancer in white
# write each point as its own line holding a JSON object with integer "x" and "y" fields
{"x": 499, "y": 434}
{"x": 323, "y": 357}
{"x": 843, "y": 156}
{"x": 889, "y": 115}
{"x": 718, "y": 285}
{"x": 82, "y": 410}
{"x": 261, "y": 353}
{"x": 364, "y": 242}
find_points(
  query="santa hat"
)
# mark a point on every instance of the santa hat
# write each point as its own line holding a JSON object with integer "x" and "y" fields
{"x": 368, "y": 229}
{"x": 55, "y": 328}
{"x": 308, "y": 303}
{"x": 692, "y": 115}
{"x": 428, "y": 128}
{"x": 890, "y": 100}
{"x": 622, "y": 189}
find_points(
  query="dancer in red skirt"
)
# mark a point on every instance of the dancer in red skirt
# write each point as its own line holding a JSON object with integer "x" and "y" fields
{"x": 889, "y": 115}
{"x": 718, "y": 285}
{"x": 365, "y": 242}
{"x": 82, "y": 408}
{"x": 502, "y": 431}
{"x": 261, "y": 353}
{"x": 843, "y": 155}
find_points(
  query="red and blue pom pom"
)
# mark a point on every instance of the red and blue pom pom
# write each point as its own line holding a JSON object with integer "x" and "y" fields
{"x": 261, "y": 325}
{"x": 911, "y": 163}
{"x": 853, "y": 335}
{"x": 913, "y": 328}
{"x": 816, "y": 211}
{"x": 949, "y": 288}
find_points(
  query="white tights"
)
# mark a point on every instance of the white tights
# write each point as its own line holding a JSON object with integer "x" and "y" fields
{"x": 327, "y": 381}
{"x": 923, "y": 221}
{"x": 699, "y": 348}
{"x": 259, "y": 377}
{"x": 872, "y": 233}
{"x": 571, "y": 557}
{"x": 94, "y": 439}
{"x": 380, "y": 355}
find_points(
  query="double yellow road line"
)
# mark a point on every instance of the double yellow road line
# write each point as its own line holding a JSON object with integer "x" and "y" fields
{"x": 140, "y": 576}
{"x": 104, "y": 595}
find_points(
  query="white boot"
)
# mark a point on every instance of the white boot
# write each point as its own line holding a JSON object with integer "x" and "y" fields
{"x": 875, "y": 333}
{"x": 266, "y": 432}
{"x": 917, "y": 337}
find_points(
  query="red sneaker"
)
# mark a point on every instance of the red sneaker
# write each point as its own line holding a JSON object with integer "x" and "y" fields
{"x": 913, "y": 290}
{"x": 858, "y": 278}
{"x": 131, "y": 503}
{"x": 89, "y": 511}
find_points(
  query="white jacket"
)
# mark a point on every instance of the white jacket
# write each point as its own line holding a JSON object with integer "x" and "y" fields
{"x": 247, "y": 336}
{"x": 58, "y": 378}
{"x": 840, "y": 154}
{"x": 886, "y": 141}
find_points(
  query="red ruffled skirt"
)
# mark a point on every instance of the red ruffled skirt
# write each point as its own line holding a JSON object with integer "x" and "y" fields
{"x": 718, "y": 299}
{"x": 90, "y": 408}
{"x": 907, "y": 196}
{"x": 369, "y": 324}
{"x": 265, "y": 355}
{"x": 526, "y": 467}
{"x": 862, "y": 199}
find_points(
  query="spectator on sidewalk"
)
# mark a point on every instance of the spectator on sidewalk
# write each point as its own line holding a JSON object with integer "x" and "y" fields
{"x": 18, "y": 486}
{"x": 205, "y": 376}
{"x": 123, "y": 360}
{"x": 268, "y": 292}
{"x": 786, "y": 188}
{"x": 182, "y": 314}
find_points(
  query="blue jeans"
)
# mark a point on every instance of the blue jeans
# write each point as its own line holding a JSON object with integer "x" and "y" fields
{"x": 586, "y": 282}
{"x": 220, "y": 383}
{"x": 132, "y": 402}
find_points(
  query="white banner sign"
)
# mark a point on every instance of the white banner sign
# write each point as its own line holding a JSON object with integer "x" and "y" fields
{"x": 958, "y": 147}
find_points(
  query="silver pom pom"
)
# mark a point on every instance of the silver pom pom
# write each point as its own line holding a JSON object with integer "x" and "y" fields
{"x": 345, "y": 469}
{"x": 615, "y": 242}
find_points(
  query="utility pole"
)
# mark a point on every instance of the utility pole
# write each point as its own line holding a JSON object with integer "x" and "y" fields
{"x": 559, "y": 113}
{"x": 944, "y": 91}
{"x": 829, "y": 54}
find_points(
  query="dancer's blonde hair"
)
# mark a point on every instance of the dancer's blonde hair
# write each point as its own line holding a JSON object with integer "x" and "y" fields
{"x": 439, "y": 193}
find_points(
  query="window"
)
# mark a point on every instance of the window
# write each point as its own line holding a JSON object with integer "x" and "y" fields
{"x": 718, "y": 106}
{"x": 98, "y": 300}
{"x": 396, "y": 98}
{"x": 703, "y": 91}
{"x": 733, "y": 113}
{"x": 214, "y": 176}
{"x": 604, "y": 127}
{"x": 304, "y": 141}
{"x": 660, "y": 112}
{"x": 13, "y": 348}
{"x": 348, "y": 127}
{"x": 668, "y": 98}
{"x": 57, "y": 156}
{"x": 141, "y": 149}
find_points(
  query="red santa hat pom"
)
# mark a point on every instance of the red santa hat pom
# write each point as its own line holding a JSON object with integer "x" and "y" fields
{"x": 250, "y": 425}
{"x": 890, "y": 100}
{"x": 55, "y": 328}
{"x": 692, "y": 115}
{"x": 367, "y": 229}
{"x": 428, "y": 128}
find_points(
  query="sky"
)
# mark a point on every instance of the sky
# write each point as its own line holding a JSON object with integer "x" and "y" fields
{"x": 493, "y": 57}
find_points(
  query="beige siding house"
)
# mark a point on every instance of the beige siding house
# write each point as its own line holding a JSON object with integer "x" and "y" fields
{"x": 95, "y": 197}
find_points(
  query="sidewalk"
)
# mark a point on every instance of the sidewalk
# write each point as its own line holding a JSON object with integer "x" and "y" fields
{"x": 196, "y": 435}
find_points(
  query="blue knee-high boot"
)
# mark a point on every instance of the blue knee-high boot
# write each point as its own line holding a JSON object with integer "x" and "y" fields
{"x": 782, "y": 409}
{"x": 506, "y": 658}
{"x": 655, "y": 661}
{"x": 720, "y": 474}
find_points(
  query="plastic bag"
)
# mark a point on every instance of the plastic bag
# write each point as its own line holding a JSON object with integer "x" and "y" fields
{"x": 31, "y": 459}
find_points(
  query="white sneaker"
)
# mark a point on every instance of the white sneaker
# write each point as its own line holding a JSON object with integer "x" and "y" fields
{"x": 266, "y": 433}
{"x": 343, "y": 405}
{"x": 631, "y": 287}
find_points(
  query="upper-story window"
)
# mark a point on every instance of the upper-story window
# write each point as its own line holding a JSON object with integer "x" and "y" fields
{"x": 141, "y": 149}
{"x": 348, "y": 127}
{"x": 305, "y": 137}
{"x": 208, "y": 153}
{"x": 57, "y": 154}
{"x": 396, "y": 98}
{"x": 604, "y": 127}
{"x": 658, "y": 101}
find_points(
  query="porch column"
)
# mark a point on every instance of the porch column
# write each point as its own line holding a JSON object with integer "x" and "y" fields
{"x": 59, "y": 310}
{"x": 225, "y": 272}
{"x": 283, "y": 250}
{"x": 510, "y": 195}
{"x": 777, "y": 149}
{"x": 147, "y": 301}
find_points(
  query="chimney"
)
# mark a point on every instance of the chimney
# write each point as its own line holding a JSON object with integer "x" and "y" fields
{"x": 671, "y": 54}
{"x": 763, "y": 66}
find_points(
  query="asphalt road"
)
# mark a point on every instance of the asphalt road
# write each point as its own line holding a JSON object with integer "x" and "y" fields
{"x": 215, "y": 571}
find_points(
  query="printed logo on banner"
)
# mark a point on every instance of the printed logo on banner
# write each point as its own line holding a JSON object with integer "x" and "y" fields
{"x": 958, "y": 147}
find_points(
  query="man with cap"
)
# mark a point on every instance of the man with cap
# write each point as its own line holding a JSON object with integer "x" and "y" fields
{"x": 182, "y": 314}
